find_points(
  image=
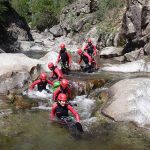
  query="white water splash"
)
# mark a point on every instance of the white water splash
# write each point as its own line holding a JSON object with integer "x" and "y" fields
{"x": 38, "y": 95}
{"x": 85, "y": 106}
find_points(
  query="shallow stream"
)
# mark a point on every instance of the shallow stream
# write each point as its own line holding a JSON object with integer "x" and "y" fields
{"x": 32, "y": 130}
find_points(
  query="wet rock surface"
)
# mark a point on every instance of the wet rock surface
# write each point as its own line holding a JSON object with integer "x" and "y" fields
{"x": 129, "y": 101}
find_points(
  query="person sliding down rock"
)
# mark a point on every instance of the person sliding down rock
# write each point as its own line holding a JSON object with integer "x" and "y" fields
{"x": 41, "y": 83}
{"x": 56, "y": 72}
{"x": 60, "y": 110}
{"x": 65, "y": 59}
{"x": 87, "y": 60}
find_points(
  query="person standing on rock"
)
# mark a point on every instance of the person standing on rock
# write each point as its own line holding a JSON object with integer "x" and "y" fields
{"x": 56, "y": 72}
{"x": 90, "y": 48}
{"x": 41, "y": 83}
{"x": 65, "y": 59}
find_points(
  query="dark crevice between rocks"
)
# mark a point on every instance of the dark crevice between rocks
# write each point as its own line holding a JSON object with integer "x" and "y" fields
{"x": 10, "y": 27}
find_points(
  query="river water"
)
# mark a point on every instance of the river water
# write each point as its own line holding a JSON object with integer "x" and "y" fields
{"x": 32, "y": 130}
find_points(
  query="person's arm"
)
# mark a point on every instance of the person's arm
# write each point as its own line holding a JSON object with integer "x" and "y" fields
{"x": 76, "y": 115}
{"x": 95, "y": 50}
{"x": 89, "y": 57}
{"x": 58, "y": 59}
{"x": 52, "y": 74}
{"x": 69, "y": 93}
{"x": 79, "y": 62}
{"x": 50, "y": 82}
{"x": 70, "y": 60}
{"x": 55, "y": 94}
{"x": 34, "y": 83}
{"x": 59, "y": 73}
{"x": 52, "y": 114}
{"x": 86, "y": 47}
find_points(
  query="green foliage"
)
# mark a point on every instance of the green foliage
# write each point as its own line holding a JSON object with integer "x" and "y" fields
{"x": 23, "y": 8}
{"x": 41, "y": 13}
{"x": 106, "y": 5}
{"x": 2, "y": 10}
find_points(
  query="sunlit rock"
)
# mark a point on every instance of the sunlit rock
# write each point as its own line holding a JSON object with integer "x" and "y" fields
{"x": 136, "y": 66}
{"x": 109, "y": 52}
{"x": 130, "y": 101}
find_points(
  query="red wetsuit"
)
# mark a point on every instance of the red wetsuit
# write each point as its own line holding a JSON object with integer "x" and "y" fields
{"x": 86, "y": 58}
{"x": 41, "y": 85}
{"x": 57, "y": 73}
{"x": 65, "y": 57}
{"x": 59, "y": 90}
{"x": 90, "y": 48}
{"x": 60, "y": 111}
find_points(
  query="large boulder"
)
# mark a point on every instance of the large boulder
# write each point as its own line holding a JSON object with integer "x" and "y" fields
{"x": 130, "y": 101}
{"x": 76, "y": 15}
{"x": 13, "y": 29}
{"x": 136, "y": 66}
{"x": 16, "y": 62}
{"x": 109, "y": 52}
{"x": 14, "y": 80}
{"x": 56, "y": 31}
{"x": 136, "y": 25}
{"x": 15, "y": 71}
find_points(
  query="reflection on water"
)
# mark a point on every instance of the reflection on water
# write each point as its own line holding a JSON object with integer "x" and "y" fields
{"x": 33, "y": 131}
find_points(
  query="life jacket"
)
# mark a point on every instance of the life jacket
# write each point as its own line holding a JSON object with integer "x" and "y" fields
{"x": 64, "y": 56}
{"x": 84, "y": 58}
{"x": 61, "y": 111}
{"x": 42, "y": 85}
{"x": 90, "y": 49}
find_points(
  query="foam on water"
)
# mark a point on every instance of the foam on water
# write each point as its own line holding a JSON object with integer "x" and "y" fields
{"x": 39, "y": 95}
{"x": 85, "y": 106}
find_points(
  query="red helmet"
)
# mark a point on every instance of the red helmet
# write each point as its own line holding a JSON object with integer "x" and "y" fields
{"x": 43, "y": 76}
{"x": 50, "y": 65}
{"x": 62, "y": 97}
{"x": 89, "y": 41}
{"x": 79, "y": 51}
{"x": 62, "y": 46}
{"x": 64, "y": 83}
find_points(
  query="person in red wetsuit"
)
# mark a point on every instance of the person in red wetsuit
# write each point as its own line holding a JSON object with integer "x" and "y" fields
{"x": 60, "y": 109}
{"x": 64, "y": 57}
{"x": 90, "y": 48}
{"x": 41, "y": 83}
{"x": 63, "y": 88}
{"x": 87, "y": 60}
{"x": 56, "y": 72}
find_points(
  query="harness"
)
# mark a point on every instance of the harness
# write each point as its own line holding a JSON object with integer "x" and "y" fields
{"x": 42, "y": 86}
{"x": 64, "y": 56}
{"x": 61, "y": 111}
{"x": 90, "y": 49}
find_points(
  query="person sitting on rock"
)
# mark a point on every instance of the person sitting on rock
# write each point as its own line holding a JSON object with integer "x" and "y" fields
{"x": 41, "y": 83}
{"x": 63, "y": 88}
{"x": 87, "y": 60}
{"x": 65, "y": 59}
{"x": 90, "y": 48}
{"x": 56, "y": 72}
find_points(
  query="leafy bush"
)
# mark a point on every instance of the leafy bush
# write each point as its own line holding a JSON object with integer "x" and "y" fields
{"x": 41, "y": 13}
{"x": 23, "y": 8}
{"x": 2, "y": 10}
